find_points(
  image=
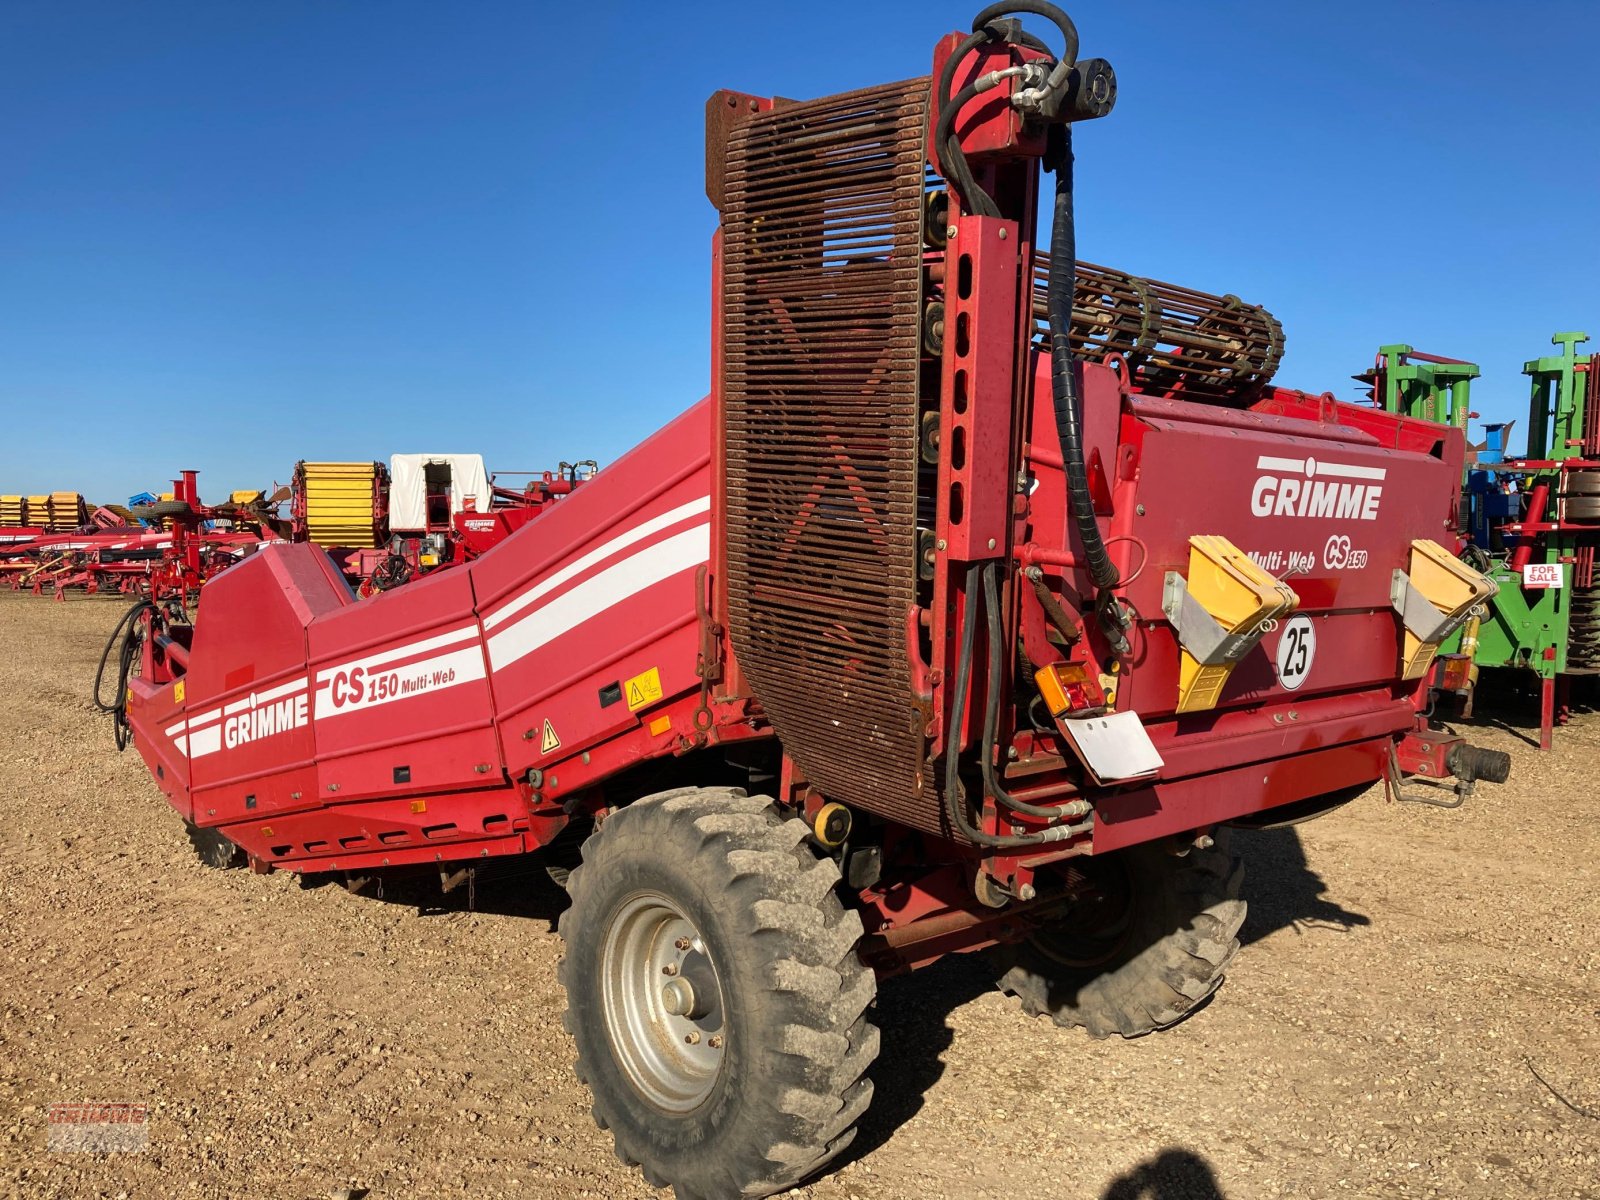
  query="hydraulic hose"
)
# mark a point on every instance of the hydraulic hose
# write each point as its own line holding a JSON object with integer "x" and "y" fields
{"x": 991, "y": 716}
{"x": 124, "y": 643}
{"x": 1064, "y": 399}
{"x": 954, "y": 793}
{"x": 1039, "y": 8}
{"x": 985, "y": 28}
{"x": 973, "y": 198}
{"x": 1067, "y": 405}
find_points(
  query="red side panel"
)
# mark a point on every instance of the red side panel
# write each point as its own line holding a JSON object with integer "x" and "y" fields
{"x": 606, "y": 597}
{"x": 250, "y": 742}
{"x": 1319, "y": 506}
{"x": 401, "y": 699}
{"x": 333, "y": 734}
{"x": 162, "y": 738}
{"x": 1130, "y": 817}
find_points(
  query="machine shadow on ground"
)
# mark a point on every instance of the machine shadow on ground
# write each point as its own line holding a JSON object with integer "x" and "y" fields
{"x": 519, "y": 887}
{"x": 913, "y": 1011}
{"x": 1282, "y": 890}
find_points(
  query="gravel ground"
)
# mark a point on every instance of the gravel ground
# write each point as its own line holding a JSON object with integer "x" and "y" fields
{"x": 1406, "y": 972}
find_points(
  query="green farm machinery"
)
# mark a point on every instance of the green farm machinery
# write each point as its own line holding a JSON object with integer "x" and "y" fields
{"x": 1529, "y": 521}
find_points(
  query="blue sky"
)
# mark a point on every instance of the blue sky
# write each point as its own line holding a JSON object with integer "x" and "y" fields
{"x": 233, "y": 235}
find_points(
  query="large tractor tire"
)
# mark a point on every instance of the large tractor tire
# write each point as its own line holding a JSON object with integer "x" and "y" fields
{"x": 1139, "y": 954}
{"x": 213, "y": 849}
{"x": 715, "y": 996}
{"x": 161, "y": 510}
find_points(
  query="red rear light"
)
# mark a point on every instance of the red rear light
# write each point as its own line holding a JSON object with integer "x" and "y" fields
{"x": 1070, "y": 688}
{"x": 1456, "y": 673}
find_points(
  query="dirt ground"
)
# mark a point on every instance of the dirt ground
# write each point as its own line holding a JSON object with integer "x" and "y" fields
{"x": 1406, "y": 972}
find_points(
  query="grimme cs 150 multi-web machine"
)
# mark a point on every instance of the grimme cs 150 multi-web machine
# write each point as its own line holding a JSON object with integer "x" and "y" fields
{"x": 928, "y": 631}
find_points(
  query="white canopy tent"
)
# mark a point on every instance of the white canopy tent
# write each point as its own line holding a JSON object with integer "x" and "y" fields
{"x": 408, "y": 486}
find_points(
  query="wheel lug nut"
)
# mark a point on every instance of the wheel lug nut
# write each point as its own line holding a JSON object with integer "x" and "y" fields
{"x": 715, "y": 1041}
{"x": 670, "y": 969}
{"x": 692, "y": 1038}
{"x": 683, "y": 943}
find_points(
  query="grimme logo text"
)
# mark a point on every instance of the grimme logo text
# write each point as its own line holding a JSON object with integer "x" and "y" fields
{"x": 1304, "y": 487}
{"x": 264, "y": 720}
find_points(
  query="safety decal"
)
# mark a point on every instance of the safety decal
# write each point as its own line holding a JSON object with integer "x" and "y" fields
{"x": 643, "y": 689}
{"x": 548, "y": 740}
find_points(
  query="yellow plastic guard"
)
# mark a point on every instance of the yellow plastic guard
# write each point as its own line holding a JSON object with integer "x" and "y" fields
{"x": 340, "y": 504}
{"x": 13, "y": 510}
{"x": 247, "y": 497}
{"x": 38, "y": 510}
{"x": 1239, "y": 595}
{"x": 1450, "y": 586}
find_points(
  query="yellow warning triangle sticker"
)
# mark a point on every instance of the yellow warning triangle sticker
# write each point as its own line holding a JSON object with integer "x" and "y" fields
{"x": 548, "y": 740}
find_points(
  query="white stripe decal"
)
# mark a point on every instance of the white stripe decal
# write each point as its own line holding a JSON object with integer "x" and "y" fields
{"x": 1349, "y": 471}
{"x": 594, "y": 595}
{"x": 464, "y": 663}
{"x": 205, "y": 741}
{"x": 282, "y": 690}
{"x": 381, "y": 659}
{"x": 204, "y": 719}
{"x": 255, "y": 698}
{"x": 1297, "y": 466}
{"x": 605, "y": 550}
{"x": 1267, "y": 463}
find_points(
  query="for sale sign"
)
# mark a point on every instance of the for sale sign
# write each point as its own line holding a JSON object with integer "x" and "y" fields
{"x": 1541, "y": 575}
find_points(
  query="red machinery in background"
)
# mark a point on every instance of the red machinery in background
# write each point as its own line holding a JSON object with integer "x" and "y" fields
{"x": 929, "y": 631}
{"x": 510, "y": 509}
{"x": 449, "y": 534}
{"x": 184, "y": 543}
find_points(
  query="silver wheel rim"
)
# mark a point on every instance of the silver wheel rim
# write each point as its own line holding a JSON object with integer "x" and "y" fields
{"x": 663, "y": 1002}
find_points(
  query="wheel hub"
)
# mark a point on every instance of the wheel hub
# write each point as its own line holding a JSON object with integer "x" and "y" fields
{"x": 663, "y": 1002}
{"x": 1094, "y": 930}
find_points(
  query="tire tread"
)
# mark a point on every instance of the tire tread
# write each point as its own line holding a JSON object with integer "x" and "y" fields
{"x": 816, "y": 1087}
{"x": 1161, "y": 983}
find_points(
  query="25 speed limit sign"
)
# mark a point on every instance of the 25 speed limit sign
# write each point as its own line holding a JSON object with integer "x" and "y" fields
{"x": 1297, "y": 650}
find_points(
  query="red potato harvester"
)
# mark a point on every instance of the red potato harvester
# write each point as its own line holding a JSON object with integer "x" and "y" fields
{"x": 982, "y": 595}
